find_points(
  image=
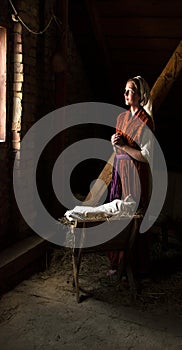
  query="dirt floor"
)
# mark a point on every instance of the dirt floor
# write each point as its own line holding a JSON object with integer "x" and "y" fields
{"x": 41, "y": 313}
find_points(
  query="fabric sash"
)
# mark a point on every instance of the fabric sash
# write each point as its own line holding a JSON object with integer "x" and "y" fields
{"x": 123, "y": 156}
{"x": 115, "y": 191}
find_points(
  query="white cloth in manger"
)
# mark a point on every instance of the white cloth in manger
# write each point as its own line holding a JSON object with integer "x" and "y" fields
{"x": 112, "y": 210}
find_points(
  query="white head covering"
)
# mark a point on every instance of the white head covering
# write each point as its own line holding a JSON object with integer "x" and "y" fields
{"x": 146, "y": 101}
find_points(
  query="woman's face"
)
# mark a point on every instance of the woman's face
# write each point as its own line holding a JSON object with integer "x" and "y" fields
{"x": 132, "y": 98}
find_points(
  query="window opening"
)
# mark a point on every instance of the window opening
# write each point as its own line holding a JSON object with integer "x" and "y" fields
{"x": 3, "y": 73}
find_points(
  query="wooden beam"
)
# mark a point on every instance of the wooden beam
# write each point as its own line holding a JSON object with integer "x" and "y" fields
{"x": 99, "y": 187}
{"x": 131, "y": 26}
{"x": 158, "y": 92}
{"x": 166, "y": 79}
{"x": 21, "y": 260}
{"x": 141, "y": 8}
{"x": 60, "y": 56}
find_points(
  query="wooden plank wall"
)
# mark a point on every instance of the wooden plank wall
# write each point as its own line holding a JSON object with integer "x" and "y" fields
{"x": 140, "y": 37}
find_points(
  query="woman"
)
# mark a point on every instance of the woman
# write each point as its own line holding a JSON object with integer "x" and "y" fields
{"x": 131, "y": 171}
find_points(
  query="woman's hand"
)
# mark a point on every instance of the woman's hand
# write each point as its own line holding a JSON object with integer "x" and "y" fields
{"x": 117, "y": 140}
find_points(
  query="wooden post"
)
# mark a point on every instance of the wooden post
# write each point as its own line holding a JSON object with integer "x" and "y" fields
{"x": 60, "y": 56}
{"x": 60, "y": 69}
{"x": 158, "y": 92}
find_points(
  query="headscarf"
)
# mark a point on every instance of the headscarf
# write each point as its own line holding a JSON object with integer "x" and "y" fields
{"x": 144, "y": 91}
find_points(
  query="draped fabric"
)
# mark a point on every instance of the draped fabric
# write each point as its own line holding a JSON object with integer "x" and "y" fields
{"x": 131, "y": 176}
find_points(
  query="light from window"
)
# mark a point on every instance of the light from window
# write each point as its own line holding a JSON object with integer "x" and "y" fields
{"x": 2, "y": 84}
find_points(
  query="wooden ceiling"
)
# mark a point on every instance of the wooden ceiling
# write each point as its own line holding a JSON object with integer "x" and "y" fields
{"x": 120, "y": 39}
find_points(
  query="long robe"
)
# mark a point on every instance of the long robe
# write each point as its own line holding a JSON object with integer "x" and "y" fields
{"x": 131, "y": 176}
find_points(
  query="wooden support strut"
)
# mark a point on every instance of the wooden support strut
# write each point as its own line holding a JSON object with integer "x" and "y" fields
{"x": 166, "y": 79}
{"x": 159, "y": 92}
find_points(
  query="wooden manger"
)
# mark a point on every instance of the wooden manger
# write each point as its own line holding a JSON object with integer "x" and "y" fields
{"x": 123, "y": 241}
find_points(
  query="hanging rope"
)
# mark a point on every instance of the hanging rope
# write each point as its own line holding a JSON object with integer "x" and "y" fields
{"x": 16, "y": 17}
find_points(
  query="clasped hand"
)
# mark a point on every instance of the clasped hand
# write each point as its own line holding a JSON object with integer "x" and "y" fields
{"x": 117, "y": 140}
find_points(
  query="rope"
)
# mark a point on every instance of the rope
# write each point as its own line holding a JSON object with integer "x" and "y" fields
{"x": 53, "y": 17}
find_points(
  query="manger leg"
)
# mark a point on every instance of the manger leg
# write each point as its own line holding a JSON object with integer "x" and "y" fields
{"x": 129, "y": 257}
{"x": 76, "y": 261}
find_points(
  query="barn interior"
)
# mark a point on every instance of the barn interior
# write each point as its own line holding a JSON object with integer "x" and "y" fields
{"x": 64, "y": 52}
